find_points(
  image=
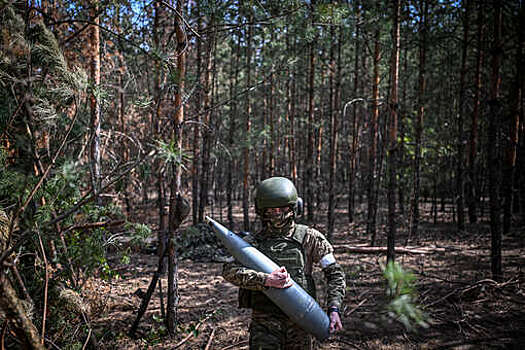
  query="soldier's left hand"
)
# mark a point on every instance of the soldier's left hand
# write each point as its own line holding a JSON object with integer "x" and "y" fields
{"x": 335, "y": 322}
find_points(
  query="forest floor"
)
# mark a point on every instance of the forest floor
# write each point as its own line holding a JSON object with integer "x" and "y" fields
{"x": 466, "y": 309}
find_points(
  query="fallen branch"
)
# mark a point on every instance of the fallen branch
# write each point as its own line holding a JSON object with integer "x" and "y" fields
{"x": 356, "y": 307}
{"x": 109, "y": 223}
{"x": 472, "y": 286}
{"x": 235, "y": 346}
{"x": 193, "y": 332}
{"x": 208, "y": 345}
{"x": 377, "y": 250}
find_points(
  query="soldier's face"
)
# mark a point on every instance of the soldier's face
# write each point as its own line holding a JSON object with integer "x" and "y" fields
{"x": 277, "y": 217}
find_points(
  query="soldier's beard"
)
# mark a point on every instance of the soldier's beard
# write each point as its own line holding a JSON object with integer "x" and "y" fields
{"x": 278, "y": 223}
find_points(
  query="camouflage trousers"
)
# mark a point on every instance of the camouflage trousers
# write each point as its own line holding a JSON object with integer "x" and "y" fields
{"x": 277, "y": 332}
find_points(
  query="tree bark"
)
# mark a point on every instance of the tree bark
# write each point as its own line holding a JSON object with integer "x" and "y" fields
{"x": 471, "y": 188}
{"x": 372, "y": 154}
{"x": 310, "y": 125}
{"x": 461, "y": 116}
{"x": 512, "y": 128}
{"x": 334, "y": 126}
{"x": 179, "y": 208}
{"x": 393, "y": 144}
{"x": 207, "y": 121}
{"x": 355, "y": 120}
{"x": 247, "y": 130}
{"x": 195, "y": 172}
{"x": 420, "y": 117}
{"x": 94, "y": 102}
{"x": 234, "y": 69}
{"x": 493, "y": 146}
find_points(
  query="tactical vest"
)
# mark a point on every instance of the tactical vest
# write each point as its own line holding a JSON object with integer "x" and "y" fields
{"x": 287, "y": 252}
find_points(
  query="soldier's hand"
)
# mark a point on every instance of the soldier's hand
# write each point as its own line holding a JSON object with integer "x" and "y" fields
{"x": 278, "y": 279}
{"x": 335, "y": 322}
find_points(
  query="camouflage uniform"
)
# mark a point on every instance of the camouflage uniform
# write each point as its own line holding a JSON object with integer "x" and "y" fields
{"x": 270, "y": 327}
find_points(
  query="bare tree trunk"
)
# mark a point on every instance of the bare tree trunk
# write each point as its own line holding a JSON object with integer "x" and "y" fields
{"x": 402, "y": 187}
{"x": 206, "y": 130}
{"x": 290, "y": 113}
{"x": 513, "y": 130}
{"x": 234, "y": 69}
{"x": 372, "y": 154}
{"x": 461, "y": 116}
{"x": 195, "y": 172}
{"x": 247, "y": 130}
{"x": 355, "y": 121}
{"x": 273, "y": 135}
{"x": 334, "y": 126}
{"x": 420, "y": 117}
{"x": 471, "y": 189}
{"x": 310, "y": 126}
{"x": 94, "y": 43}
{"x": 494, "y": 146}
{"x": 179, "y": 208}
{"x": 393, "y": 146}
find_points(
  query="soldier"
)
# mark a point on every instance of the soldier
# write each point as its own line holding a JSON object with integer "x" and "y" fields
{"x": 296, "y": 248}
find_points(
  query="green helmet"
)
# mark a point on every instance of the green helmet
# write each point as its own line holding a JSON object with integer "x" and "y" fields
{"x": 276, "y": 192}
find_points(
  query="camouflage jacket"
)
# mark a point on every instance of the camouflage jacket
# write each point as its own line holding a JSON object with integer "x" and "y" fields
{"x": 317, "y": 250}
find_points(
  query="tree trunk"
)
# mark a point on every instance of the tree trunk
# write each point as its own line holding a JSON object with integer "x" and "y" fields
{"x": 513, "y": 130}
{"x": 355, "y": 121}
{"x": 420, "y": 117}
{"x": 247, "y": 130}
{"x": 402, "y": 188}
{"x": 310, "y": 126}
{"x": 206, "y": 130}
{"x": 195, "y": 172}
{"x": 290, "y": 96}
{"x": 94, "y": 102}
{"x": 494, "y": 146}
{"x": 372, "y": 154}
{"x": 461, "y": 115}
{"x": 334, "y": 125}
{"x": 472, "y": 188}
{"x": 234, "y": 69}
{"x": 393, "y": 146}
{"x": 179, "y": 208}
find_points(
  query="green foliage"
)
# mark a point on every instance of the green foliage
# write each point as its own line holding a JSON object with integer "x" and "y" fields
{"x": 333, "y": 13}
{"x": 402, "y": 293}
{"x": 170, "y": 154}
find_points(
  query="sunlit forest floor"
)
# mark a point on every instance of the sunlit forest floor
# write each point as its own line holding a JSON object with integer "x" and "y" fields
{"x": 465, "y": 308}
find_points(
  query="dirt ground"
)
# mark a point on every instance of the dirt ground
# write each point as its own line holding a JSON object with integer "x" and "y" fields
{"x": 465, "y": 308}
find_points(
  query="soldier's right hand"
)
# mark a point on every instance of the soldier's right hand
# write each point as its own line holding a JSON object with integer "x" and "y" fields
{"x": 279, "y": 278}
